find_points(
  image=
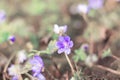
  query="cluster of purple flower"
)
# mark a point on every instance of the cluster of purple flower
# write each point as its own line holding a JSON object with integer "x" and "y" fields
{"x": 64, "y": 44}
{"x": 37, "y": 66}
{"x": 92, "y": 4}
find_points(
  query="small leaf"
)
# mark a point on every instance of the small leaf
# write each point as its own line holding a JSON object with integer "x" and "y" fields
{"x": 80, "y": 55}
{"x": 106, "y": 53}
{"x": 51, "y": 47}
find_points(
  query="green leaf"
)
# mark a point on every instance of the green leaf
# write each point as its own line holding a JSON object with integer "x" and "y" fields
{"x": 106, "y": 53}
{"x": 4, "y": 37}
{"x": 34, "y": 40}
{"x": 80, "y": 55}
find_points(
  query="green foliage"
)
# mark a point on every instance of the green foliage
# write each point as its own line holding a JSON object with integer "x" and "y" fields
{"x": 92, "y": 13}
{"x": 19, "y": 27}
{"x": 106, "y": 53}
{"x": 51, "y": 47}
{"x": 80, "y": 55}
{"x": 36, "y": 7}
{"x": 34, "y": 40}
{"x": 4, "y": 33}
{"x": 4, "y": 36}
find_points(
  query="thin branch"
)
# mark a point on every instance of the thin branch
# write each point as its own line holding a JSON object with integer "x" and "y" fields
{"x": 7, "y": 64}
{"x": 107, "y": 69}
{"x": 115, "y": 57}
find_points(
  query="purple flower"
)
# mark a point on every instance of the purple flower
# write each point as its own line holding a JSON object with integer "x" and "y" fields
{"x": 95, "y": 4}
{"x": 37, "y": 65}
{"x": 15, "y": 78}
{"x": 85, "y": 47}
{"x": 12, "y": 38}
{"x": 64, "y": 44}
{"x": 2, "y": 15}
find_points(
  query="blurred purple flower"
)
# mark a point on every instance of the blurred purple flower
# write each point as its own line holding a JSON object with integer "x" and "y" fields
{"x": 12, "y": 38}
{"x": 14, "y": 78}
{"x": 64, "y": 44}
{"x": 85, "y": 47}
{"x": 82, "y": 8}
{"x": 37, "y": 65}
{"x": 40, "y": 77}
{"x": 95, "y": 4}
{"x": 2, "y": 15}
{"x": 13, "y": 71}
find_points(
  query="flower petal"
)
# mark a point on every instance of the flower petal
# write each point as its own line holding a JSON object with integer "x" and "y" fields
{"x": 40, "y": 77}
{"x": 67, "y": 51}
{"x": 67, "y": 38}
{"x": 71, "y": 44}
{"x": 56, "y": 29}
{"x": 60, "y": 51}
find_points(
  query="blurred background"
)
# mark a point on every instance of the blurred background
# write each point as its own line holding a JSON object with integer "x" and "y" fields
{"x": 31, "y": 22}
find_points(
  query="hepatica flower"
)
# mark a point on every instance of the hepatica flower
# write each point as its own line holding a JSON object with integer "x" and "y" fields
{"x": 85, "y": 47}
{"x": 95, "y": 4}
{"x": 11, "y": 39}
{"x": 37, "y": 66}
{"x": 64, "y": 44}
{"x": 60, "y": 29}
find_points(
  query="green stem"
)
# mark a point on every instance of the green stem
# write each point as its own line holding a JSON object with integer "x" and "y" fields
{"x": 39, "y": 52}
{"x": 70, "y": 64}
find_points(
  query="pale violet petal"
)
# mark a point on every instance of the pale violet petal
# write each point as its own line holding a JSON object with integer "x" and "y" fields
{"x": 41, "y": 77}
{"x": 60, "y": 51}
{"x": 67, "y": 51}
{"x": 56, "y": 29}
{"x": 71, "y": 44}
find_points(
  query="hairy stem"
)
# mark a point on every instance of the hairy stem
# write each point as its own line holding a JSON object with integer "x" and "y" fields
{"x": 70, "y": 64}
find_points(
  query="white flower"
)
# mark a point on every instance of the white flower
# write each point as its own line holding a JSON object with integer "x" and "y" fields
{"x": 60, "y": 29}
{"x": 82, "y": 8}
{"x": 13, "y": 70}
{"x": 91, "y": 59}
{"x": 21, "y": 56}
